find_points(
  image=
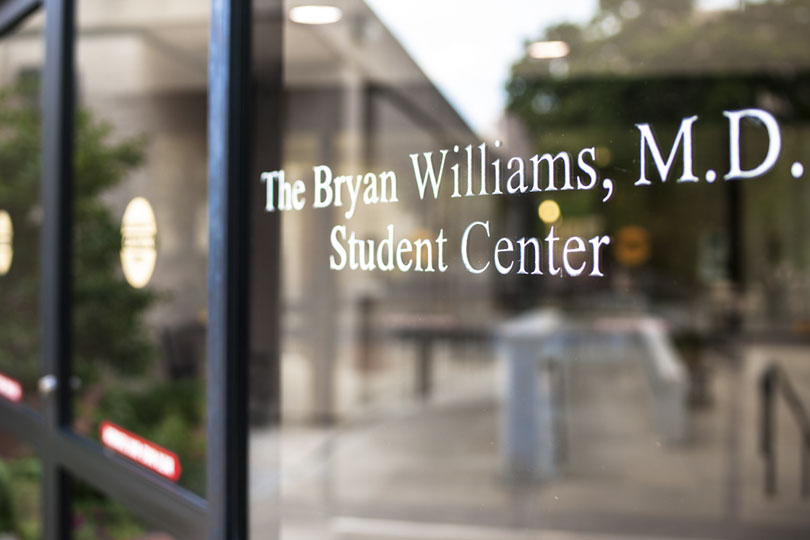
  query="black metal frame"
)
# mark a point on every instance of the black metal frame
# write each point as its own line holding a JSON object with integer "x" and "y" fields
{"x": 55, "y": 246}
{"x": 13, "y": 12}
{"x": 66, "y": 455}
{"x": 228, "y": 105}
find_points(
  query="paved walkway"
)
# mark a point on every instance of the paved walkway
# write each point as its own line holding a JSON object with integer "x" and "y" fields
{"x": 431, "y": 471}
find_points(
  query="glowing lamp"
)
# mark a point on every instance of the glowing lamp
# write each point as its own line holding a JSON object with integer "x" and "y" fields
{"x": 549, "y": 211}
{"x": 138, "y": 242}
{"x": 6, "y": 242}
{"x": 549, "y": 49}
{"x": 314, "y": 14}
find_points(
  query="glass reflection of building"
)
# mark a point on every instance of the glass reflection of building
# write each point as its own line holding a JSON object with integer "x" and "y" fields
{"x": 452, "y": 404}
{"x": 355, "y": 101}
{"x": 426, "y": 409}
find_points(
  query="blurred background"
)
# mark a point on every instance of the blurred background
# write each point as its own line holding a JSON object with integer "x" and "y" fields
{"x": 667, "y": 399}
{"x": 452, "y": 405}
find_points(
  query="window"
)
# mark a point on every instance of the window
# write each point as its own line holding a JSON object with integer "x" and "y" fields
{"x": 533, "y": 264}
{"x": 377, "y": 269}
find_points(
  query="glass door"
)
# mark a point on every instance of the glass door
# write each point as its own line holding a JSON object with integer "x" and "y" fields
{"x": 542, "y": 268}
{"x": 139, "y": 212}
{"x": 103, "y": 262}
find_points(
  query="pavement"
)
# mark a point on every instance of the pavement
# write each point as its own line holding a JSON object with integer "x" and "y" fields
{"x": 414, "y": 470}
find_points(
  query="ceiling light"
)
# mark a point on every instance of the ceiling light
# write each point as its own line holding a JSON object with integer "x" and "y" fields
{"x": 549, "y": 49}
{"x": 315, "y": 14}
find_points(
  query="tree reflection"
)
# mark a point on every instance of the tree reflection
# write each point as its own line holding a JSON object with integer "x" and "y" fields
{"x": 114, "y": 353}
{"x": 658, "y": 62}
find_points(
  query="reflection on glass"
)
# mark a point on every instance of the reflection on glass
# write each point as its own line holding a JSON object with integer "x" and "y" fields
{"x": 549, "y": 49}
{"x": 20, "y": 210}
{"x": 313, "y": 14}
{"x": 6, "y": 242}
{"x": 20, "y": 476}
{"x": 140, "y": 244}
{"x": 548, "y": 211}
{"x": 97, "y": 517}
{"x": 535, "y": 380}
{"x": 138, "y": 250}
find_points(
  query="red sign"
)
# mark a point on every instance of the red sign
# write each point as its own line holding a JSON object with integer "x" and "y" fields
{"x": 10, "y": 389}
{"x": 141, "y": 451}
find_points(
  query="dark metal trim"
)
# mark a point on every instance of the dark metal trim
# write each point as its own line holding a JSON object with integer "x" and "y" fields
{"x": 229, "y": 78}
{"x": 160, "y": 503}
{"x": 57, "y": 191}
{"x": 56, "y": 237}
{"x": 13, "y": 12}
{"x": 64, "y": 453}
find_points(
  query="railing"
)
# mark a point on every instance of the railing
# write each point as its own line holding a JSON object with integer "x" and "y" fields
{"x": 774, "y": 380}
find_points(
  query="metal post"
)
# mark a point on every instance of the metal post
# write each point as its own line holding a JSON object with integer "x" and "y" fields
{"x": 14, "y": 12}
{"x": 229, "y": 79}
{"x": 805, "y": 466}
{"x": 424, "y": 367}
{"x": 57, "y": 182}
{"x": 366, "y": 343}
{"x": 767, "y": 427}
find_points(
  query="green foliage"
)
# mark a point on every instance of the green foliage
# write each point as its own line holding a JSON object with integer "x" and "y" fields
{"x": 114, "y": 351}
{"x": 108, "y": 317}
{"x": 19, "y": 196}
{"x": 658, "y": 63}
{"x": 98, "y": 518}
{"x": 19, "y": 497}
{"x": 109, "y": 332}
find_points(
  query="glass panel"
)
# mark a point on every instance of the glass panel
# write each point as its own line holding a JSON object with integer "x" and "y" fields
{"x": 535, "y": 261}
{"x": 21, "y": 55}
{"x": 20, "y": 480}
{"x": 140, "y": 252}
{"x": 98, "y": 517}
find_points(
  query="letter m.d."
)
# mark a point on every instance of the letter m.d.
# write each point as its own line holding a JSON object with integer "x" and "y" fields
{"x": 648, "y": 139}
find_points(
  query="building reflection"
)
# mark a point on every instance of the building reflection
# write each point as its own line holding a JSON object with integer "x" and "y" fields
{"x": 422, "y": 404}
{"x": 388, "y": 403}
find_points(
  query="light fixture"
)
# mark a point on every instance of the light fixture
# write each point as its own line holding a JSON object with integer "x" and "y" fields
{"x": 314, "y": 14}
{"x": 549, "y": 211}
{"x": 138, "y": 242}
{"x": 549, "y": 49}
{"x": 6, "y": 242}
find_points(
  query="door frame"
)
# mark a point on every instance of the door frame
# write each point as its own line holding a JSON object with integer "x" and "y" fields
{"x": 65, "y": 454}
